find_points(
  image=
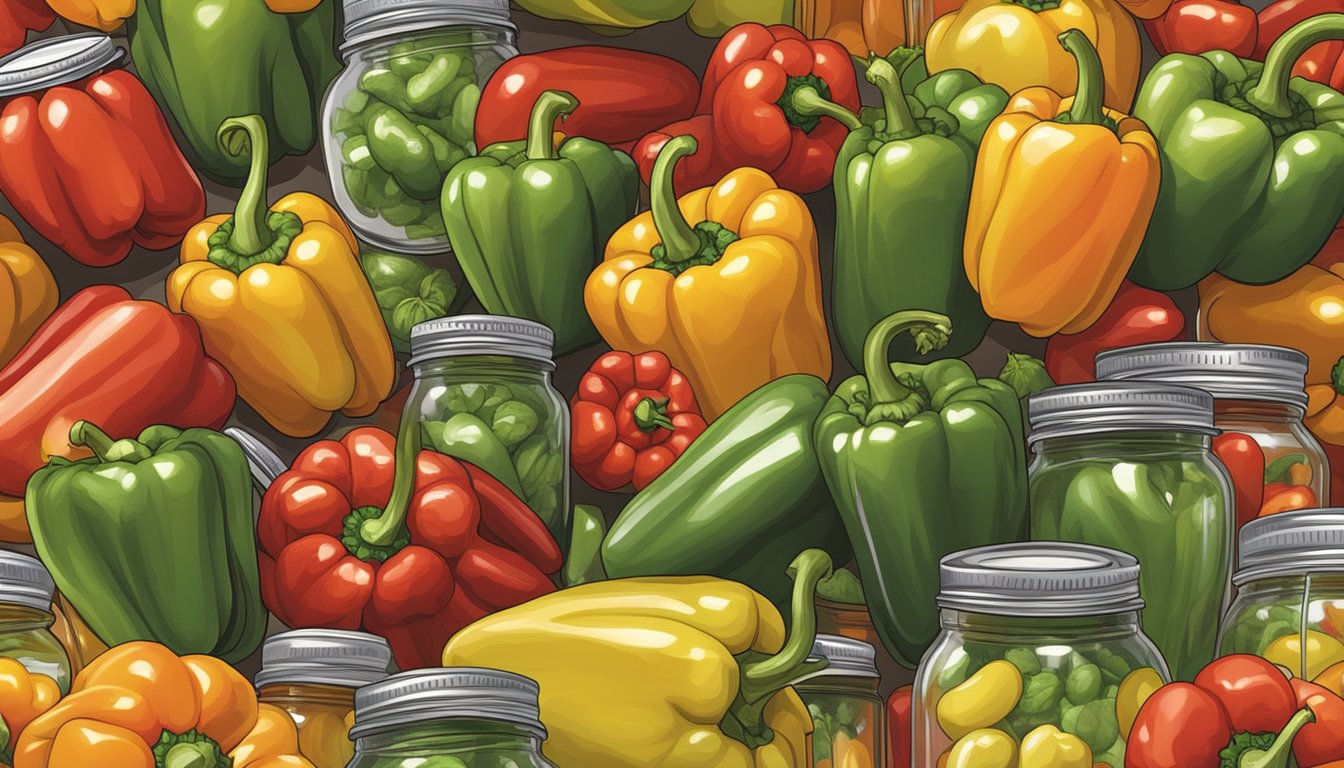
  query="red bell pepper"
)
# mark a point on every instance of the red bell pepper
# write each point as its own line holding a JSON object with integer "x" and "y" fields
{"x": 92, "y": 166}
{"x": 104, "y": 357}
{"x": 633, "y": 415}
{"x": 1199, "y": 26}
{"x": 1321, "y": 742}
{"x": 1245, "y": 464}
{"x": 367, "y": 533}
{"x": 1241, "y": 712}
{"x": 622, "y": 94}
{"x": 899, "y": 726}
{"x": 1136, "y": 316}
{"x": 18, "y": 18}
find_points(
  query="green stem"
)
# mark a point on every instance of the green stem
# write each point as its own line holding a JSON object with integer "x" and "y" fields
{"x": 1337, "y": 376}
{"x": 1270, "y": 95}
{"x": 651, "y": 414}
{"x": 901, "y": 121}
{"x": 1278, "y": 753}
{"x": 762, "y": 678}
{"x": 105, "y": 448}
{"x": 549, "y": 107}
{"x": 382, "y": 530}
{"x": 678, "y": 237}
{"x": 6, "y": 754}
{"x": 250, "y": 234}
{"x": 808, "y": 101}
{"x": 931, "y": 331}
{"x": 1087, "y": 106}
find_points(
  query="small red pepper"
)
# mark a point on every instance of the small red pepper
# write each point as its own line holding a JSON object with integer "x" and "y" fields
{"x": 1136, "y": 316}
{"x": 365, "y": 533}
{"x": 1199, "y": 26}
{"x": 1245, "y": 464}
{"x": 899, "y": 726}
{"x": 633, "y": 415}
{"x": 1281, "y": 497}
{"x": 1322, "y": 741}
{"x": 18, "y": 18}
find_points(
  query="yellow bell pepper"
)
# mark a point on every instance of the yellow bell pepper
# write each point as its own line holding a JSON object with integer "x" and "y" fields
{"x": 23, "y": 696}
{"x": 27, "y": 291}
{"x": 140, "y": 696}
{"x": 733, "y": 301}
{"x": 106, "y": 15}
{"x": 1062, "y": 195}
{"x": 1012, "y": 43}
{"x": 282, "y": 302}
{"x": 661, "y": 672}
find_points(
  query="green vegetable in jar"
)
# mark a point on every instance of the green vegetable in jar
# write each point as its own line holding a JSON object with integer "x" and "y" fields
{"x": 513, "y": 422}
{"x": 1025, "y": 660}
{"x": 466, "y": 437}
{"x": 842, "y": 586}
{"x": 408, "y": 292}
{"x": 1094, "y": 723}
{"x": 1042, "y": 693}
{"x": 1084, "y": 683}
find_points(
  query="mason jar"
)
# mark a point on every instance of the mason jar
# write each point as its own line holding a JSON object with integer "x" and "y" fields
{"x": 403, "y": 111}
{"x": 26, "y": 590}
{"x": 1289, "y": 606}
{"x": 1127, "y": 465}
{"x": 847, "y": 712}
{"x": 312, "y": 674}
{"x": 483, "y": 393}
{"x": 456, "y": 716}
{"x": 1036, "y": 637}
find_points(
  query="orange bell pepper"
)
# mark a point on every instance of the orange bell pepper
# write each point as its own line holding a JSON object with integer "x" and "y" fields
{"x": 139, "y": 698}
{"x": 106, "y": 15}
{"x": 1062, "y": 195}
{"x": 292, "y": 6}
{"x": 28, "y": 292}
{"x": 23, "y": 696}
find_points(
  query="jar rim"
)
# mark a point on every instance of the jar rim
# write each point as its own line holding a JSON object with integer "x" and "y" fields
{"x": 1291, "y": 543}
{"x": 1225, "y": 371}
{"x": 367, "y": 21}
{"x": 1119, "y": 406}
{"x": 1040, "y": 579}
{"x": 57, "y": 61}
{"x": 481, "y": 335}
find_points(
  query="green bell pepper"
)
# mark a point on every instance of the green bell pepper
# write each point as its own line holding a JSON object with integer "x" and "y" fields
{"x": 1251, "y": 163}
{"x": 277, "y": 65}
{"x": 741, "y": 502}
{"x": 922, "y": 461}
{"x": 153, "y": 539}
{"x": 409, "y": 292}
{"x": 529, "y": 221}
{"x": 902, "y": 190}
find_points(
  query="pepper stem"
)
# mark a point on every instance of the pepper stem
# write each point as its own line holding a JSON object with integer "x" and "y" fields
{"x": 808, "y": 101}
{"x": 901, "y": 121}
{"x": 549, "y": 107}
{"x": 1087, "y": 106}
{"x": 250, "y": 234}
{"x": 382, "y": 531}
{"x": 1278, "y": 753}
{"x": 762, "y": 678}
{"x": 6, "y": 754}
{"x": 680, "y": 242}
{"x": 190, "y": 755}
{"x": 651, "y": 414}
{"x": 88, "y": 435}
{"x": 1270, "y": 95}
{"x": 931, "y": 330}
{"x": 1337, "y": 377}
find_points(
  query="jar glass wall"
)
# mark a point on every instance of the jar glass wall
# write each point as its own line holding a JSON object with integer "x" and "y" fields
{"x": 847, "y": 712}
{"x": 26, "y": 618}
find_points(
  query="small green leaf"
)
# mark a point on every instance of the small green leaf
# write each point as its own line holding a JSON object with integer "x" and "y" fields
{"x": 514, "y": 421}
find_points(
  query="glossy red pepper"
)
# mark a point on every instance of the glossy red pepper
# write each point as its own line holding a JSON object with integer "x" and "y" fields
{"x": 18, "y": 18}
{"x": 1245, "y": 464}
{"x": 899, "y": 726}
{"x": 632, "y": 416}
{"x": 1323, "y": 741}
{"x": 1136, "y": 316}
{"x": 94, "y": 169}
{"x": 1198, "y": 26}
{"x": 366, "y": 533}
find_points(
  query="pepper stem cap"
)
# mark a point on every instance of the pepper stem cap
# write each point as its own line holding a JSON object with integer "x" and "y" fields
{"x": 809, "y": 101}
{"x": 254, "y": 234}
{"x": 651, "y": 414}
{"x": 1276, "y": 756}
{"x": 901, "y": 122}
{"x": 88, "y": 435}
{"x": 1087, "y": 106}
{"x": 388, "y": 529}
{"x": 931, "y": 330}
{"x": 679, "y": 240}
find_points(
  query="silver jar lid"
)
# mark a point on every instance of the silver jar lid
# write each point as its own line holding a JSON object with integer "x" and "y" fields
{"x": 1290, "y": 543}
{"x": 1052, "y": 579}
{"x": 465, "y": 335}
{"x": 324, "y": 657}
{"x": 844, "y": 657}
{"x": 1119, "y": 406}
{"x": 1226, "y": 371}
{"x": 367, "y": 20}
{"x": 25, "y": 581}
{"x": 60, "y": 60}
{"x": 448, "y": 693}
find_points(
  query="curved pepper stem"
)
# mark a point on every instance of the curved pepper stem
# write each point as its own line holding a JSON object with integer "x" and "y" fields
{"x": 901, "y": 123}
{"x": 250, "y": 234}
{"x": 1276, "y": 756}
{"x": 382, "y": 531}
{"x": 1270, "y": 95}
{"x": 651, "y": 414}
{"x": 808, "y": 101}
{"x": 1087, "y": 106}
{"x": 549, "y": 107}
{"x": 88, "y": 435}
{"x": 680, "y": 243}
{"x": 931, "y": 330}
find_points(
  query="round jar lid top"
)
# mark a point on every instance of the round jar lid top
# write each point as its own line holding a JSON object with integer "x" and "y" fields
{"x": 324, "y": 657}
{"x": 1291, "y": 543}
{"x": 452, "y": 692}
{"x": 1119, "y": 406}
{"x": 25, "y": 581}
{"x": 60, "y": 60}
{"x": 370, "y": 19}
{"x": 1226, "y": 371}
{"x": 481, "y": 335}
{"x": 1041, "y": 578}
{"x": 845, "y": 656}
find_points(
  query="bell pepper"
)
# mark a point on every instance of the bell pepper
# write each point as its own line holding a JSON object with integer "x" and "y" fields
{"x": 1135, "y": 316}
{"x": 1012, "y": 45}
{"x": 92, "y": 166}
{"x": 24, "y": 696}
{"x": 865, "y": 27}
{"x": 900, "y": 727}
{"x": 282, "y": 301}
{"x": 1321, "y": 742}
{"x": 1249, "y": 153}
{"x": 141, "y": 706}
{"x": 372, "y": 533}
{"x": 279, "y": 67}
{"x": 695, "y": 669}
{"x": 1062, "y": 195}
{"x": 734, "y": 299}
{"x": 18, "y": 18}
{"x": 954, "y": 447}
{"x": 632, "y": 416}
{"x": 613, "y": 107}
{"x": 106, "y": 15}
{"x": 743, "y": 500}
{"x": 28, "y": 292}
{"x": 528, "y": 221}
{"x": 409, "y": 292}
{"x": 1201, "y": 26}
{"x": 1245, "y": 464}
{"x": 710, "y": 18}
{"x": 885, "y": 181}
{"x": 113, "y": 533}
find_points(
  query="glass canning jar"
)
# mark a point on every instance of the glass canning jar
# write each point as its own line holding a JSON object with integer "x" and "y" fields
{"x": 1034, "y": 636}
{"x": 847, "y": 712}
{"x": 483, "y": 394}
{"x": 403, "y": 111}
{"x": 26, "y": 590}
{"x": 455, "y": 717}
{"x": 312, "y": 674}
{"x": 1127, "y": 465}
